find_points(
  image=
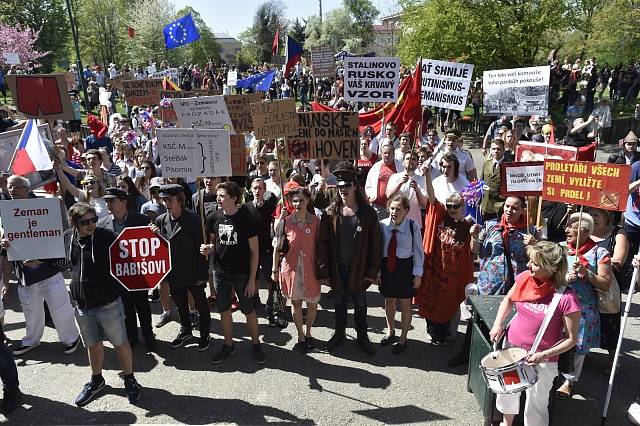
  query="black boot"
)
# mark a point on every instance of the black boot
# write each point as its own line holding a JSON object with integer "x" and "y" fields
{"x": 11, "y": 401}
{"x": 336, "y": 340}
{"x": 365, "y": 344}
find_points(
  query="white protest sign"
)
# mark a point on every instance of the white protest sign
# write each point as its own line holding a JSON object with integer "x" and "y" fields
{"x": 169, "y": 72}
{"x": 151, "y": 69}
{"x": 11, "y": 58}
{"x": 33, "y": 228}
{"x": 517, "y": 91}
{"x": 190, "y": 153}
{"x": 232, "y": 78}
{"x": 371, "y": 79}
{"x": 204, "y": 112}
{"x": 445, "y": 84}
{"x": 520, "y": 179}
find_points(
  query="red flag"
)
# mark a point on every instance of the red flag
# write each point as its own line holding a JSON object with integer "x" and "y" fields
{"x": 276, "y": 42}
{"x": 131, "y": 31}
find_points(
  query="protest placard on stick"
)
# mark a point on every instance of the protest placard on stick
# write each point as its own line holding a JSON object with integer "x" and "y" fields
{"x": 232, "y": 78}
{"x": 323, "y": 62}
{"x": 521, "y": 179}
{"x": 327, "y": 135}
{"x": 239, "y": 107}
{"x": 371, "y": 79}
{"x": 33, "y": 227}
{"x": 275, "y": 119}
{"x": 117, "y": 80}
{"x": 43, "y": 96}
{"x": 601, "y": 185}
{"x": 193, "y": 153}
{"x": 204, "y": 112}
{"x": 142, "y": 92}
{"x": 516, "y": 91}
{"x": 445, "y": 84}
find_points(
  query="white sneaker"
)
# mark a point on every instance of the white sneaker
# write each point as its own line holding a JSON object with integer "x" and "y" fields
{"x": 634, "y": 413}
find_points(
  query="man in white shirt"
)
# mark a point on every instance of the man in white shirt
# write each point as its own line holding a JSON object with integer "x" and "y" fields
{"x": 411, "y": 185}
{"x": 467, "y": 167}
{"x": 378, "y": 178}
{"x": 387, "y": 135}
{"x": 113, "y": 72}
{"x": 405, "y": 146}
{"x": 273, "y": 183}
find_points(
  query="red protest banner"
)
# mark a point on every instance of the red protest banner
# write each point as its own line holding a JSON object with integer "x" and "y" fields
{"x": 238, "y": 155}
{"x": 599, "y": 185}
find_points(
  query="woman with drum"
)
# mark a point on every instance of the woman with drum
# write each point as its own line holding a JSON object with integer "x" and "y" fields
{"x": 532, "y": 294}
{"x": 589, "y": 269}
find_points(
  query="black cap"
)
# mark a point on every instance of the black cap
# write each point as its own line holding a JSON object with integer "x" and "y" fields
{"x": 345, "y": 172}
{"x": 170, "y": 190}
{"x": 115, "y": 193}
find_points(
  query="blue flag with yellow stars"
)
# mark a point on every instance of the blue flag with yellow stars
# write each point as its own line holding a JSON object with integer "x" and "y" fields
{"x": 180, "y": 32}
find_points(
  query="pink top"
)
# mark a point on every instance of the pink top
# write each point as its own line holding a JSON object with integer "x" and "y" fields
{"x": 524, "y": 328}
{"x": 302, "y": 239}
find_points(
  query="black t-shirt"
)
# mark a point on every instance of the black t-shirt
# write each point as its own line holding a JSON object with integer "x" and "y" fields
{"x": 263, "y": 216}
{"x": 232, "y": 254}
{"x": 210, "y": 202}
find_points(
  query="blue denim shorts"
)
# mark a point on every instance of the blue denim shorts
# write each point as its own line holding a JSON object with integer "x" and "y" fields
{"x": 102, "y": 323}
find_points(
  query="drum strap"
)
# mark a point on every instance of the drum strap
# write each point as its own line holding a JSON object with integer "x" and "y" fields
{"x": 547, "y": 319}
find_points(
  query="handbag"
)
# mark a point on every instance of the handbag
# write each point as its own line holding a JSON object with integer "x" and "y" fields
{"x": 609, "y": 301}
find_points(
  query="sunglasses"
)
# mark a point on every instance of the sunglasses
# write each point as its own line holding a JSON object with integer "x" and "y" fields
{"x": 345, "y": 186}
{"x": 85, "y": 222}
{"x": 145, "y": 168}
{"x": 453, "y": 206}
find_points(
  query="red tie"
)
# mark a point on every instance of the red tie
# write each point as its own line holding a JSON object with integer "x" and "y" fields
{"x": 391, "y": 253}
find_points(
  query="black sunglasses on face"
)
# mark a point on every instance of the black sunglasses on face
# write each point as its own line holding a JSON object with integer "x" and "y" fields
{"x": 85, "y": 222}
{"x": 453, "y": 206}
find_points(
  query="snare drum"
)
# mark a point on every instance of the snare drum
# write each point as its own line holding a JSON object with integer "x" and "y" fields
{"x": 508, "y": 372}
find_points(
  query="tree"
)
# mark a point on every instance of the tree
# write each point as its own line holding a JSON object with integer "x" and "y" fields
{"x": 297, "y": 31}
{"x": 364, "y": 13}
{"x": 49, "y": 18}
{"x": 334, "y": 30}
{"x": 204, "y": 49}
{"x": 268, "y": 18}
{"x": 148, "y": 18}
{"x": 16, "y": 39}
{"x": 615, "y": 37}
{"x": 101, "y": 29}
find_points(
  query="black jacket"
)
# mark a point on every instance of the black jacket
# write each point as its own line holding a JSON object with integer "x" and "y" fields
{"x": 619, "y": 158}
{"x": 133, "y": 219}
{"x": 92, "y": 285}
{"x": 187, "y": 264}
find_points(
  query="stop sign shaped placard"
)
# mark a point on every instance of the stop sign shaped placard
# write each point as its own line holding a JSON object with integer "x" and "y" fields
{"x": 139, "y": 258}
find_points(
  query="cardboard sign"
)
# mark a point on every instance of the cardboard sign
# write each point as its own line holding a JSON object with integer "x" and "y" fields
{"x": 168, "y": 115}
{"x": 534, "y": 151}
{"x": 323, "y": 62}
{"x": 275, "y": 119}
{"x": 238, "y": 155}
{"x": 601, "y": 185}
{"x": 141, "y": 92}
{"x": 117, "y": 80}
{"x": 517, "y": 91}
{"x": 11, "y": 58}
{"x": 239, "y": 107}
{"x": 172, "y": 73}
{"x": 34, "y": 228}
{"x": 42, "y": 96}
{"x": 521, "y": 179}
{"x": 445, "y": 84}
{"x": 232, "y": 78}
{"x": 327, "y": 135}
{"x": 204, "y": 112}
{"x": 190, "y": 153}
{"x": 369, "y": 79}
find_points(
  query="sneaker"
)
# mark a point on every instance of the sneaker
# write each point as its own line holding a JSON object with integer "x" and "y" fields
{"x": 165, "y": 318}
{"x": 203, "y": 343}
{"x": 398, "y": 348}
{"x": 11, "y": 401}
{"x": 182, "y": 338}
{"x": 89, "y": 391}
{"x": 258, "y": 354}
{"x": 300, "y": 347}
{"x": 634, "y": 413}
{"x": 71, "y": 348}
{"x": 224, "y": 353}
{"x": 336, "y": 340}
{"x": 21, "y": 350}
{"x": 311, "y": 344}
{"x": 133, "y": 389}
{"x": 193, "y": 317}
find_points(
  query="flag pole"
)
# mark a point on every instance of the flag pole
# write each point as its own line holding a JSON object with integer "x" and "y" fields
{"x": 15, "y": 151}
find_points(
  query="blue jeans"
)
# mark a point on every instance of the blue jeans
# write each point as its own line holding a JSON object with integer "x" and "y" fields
{"x": 8, "y": 370}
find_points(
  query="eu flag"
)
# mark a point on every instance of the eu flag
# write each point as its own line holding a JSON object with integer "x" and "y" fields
{"x": 258, "y": 82}
{"x": 180, "y": 32}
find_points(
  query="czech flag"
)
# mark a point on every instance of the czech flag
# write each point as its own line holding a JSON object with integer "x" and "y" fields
{"x": 31, "y": 153}
{"x": 294, "y": 53}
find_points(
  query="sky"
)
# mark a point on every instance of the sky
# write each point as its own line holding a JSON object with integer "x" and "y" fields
{"x": 234, "y": 16}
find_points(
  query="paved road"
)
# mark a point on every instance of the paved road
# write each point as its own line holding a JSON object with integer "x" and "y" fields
{"x": 181, "y": 386}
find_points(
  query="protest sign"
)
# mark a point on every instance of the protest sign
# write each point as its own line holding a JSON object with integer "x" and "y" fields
{"x": 194, "y": 152}
{"x": 369, "y": 79}
{"x": 168, "y": 114}
{"x": 275, "y": 119}
{"x": 445, "y": 84}
{"x": 204, "y": 112}
{"x": 141, "y": 92}
{"x": 239, "y": 107}
{"x": 33, "y": 227}
{"x": 42, "y": 96}
{"x": 117, "y": 80}
{"x": 232, "y": 78}
{"x": 327, "y": 135}
{"x": 151, "y": 69}
{"x": 238, "y": 155}
{"x": 521, "y": 179}
{"x": 172, "y": 73}
{"x": 323, "y": 62}
{"x": 601, "y": 185}
{"x": 534, "y": 151}
{"x": 11, "y": 58}
{"x": 516, "y": 91}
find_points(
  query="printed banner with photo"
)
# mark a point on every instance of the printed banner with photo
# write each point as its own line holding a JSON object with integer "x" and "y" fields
{"x": 534, "y": 151}
{"x": 516, "y": 91}
{"x": 445, "y": 84}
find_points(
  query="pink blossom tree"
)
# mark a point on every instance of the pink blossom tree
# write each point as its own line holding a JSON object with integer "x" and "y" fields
{"x": 20, "y": 40}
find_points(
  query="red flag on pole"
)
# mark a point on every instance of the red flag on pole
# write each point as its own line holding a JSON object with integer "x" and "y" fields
{"x": 131, "y": 31}
{"x": 276, "y": 43}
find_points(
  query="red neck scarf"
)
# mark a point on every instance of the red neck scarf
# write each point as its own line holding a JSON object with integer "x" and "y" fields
{"x": 530, "y": 289}
{"x": 508, "y": 227}
{"x": 585, "y": 247}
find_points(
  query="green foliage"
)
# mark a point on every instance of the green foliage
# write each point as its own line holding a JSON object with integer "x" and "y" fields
{"x": 268, "y": 18}
{"x": 615, "y": 36}
{"x": 297, "y": 31}
{"x": 148, "y": 19}
{"x": 50, "y": 18}
{"x": 364, "y": 14}
{"x": 101, "y": 30}
{"x": 195, "y": 52}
